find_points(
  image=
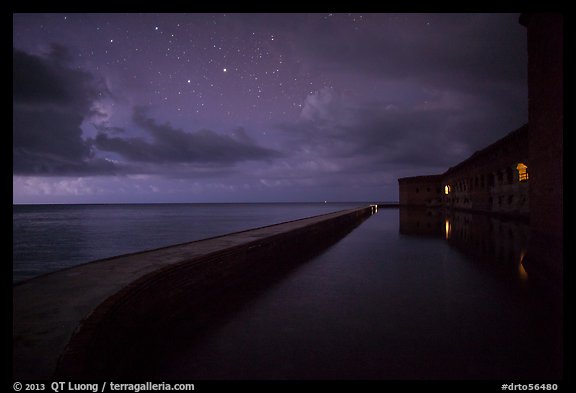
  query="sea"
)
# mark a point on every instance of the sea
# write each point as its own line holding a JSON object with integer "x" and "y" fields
{"x": 47, "y": 238}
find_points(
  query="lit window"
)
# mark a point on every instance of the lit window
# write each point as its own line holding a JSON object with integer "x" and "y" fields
{"x": 522, "y": 172}
{"x": 447, "y": 189}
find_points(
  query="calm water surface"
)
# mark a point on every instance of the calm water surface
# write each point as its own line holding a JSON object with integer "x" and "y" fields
{"x": 406, "y": 295}
{"x": 47, "y": 238}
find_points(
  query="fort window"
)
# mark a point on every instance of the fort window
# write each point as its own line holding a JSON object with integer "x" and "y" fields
{"x": 522, "y": 171}
{"x": 447, "y": 189}
{"x": 491, "y": 180}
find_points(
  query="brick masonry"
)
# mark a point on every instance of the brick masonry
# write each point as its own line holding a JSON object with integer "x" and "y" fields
{"x": 487, "y": 181}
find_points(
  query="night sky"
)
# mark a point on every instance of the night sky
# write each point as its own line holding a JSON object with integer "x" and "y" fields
{"x": 112, "y": 108}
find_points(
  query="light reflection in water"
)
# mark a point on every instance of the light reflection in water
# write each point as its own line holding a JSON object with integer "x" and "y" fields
{"x": 522, "y": 274}
{"x": 495, "y": 244}
{"x": 383, "y": 305}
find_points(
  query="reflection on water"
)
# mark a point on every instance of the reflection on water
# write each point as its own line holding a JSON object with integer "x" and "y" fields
{"x": 494, "y": 244}
{"x": 407, "y": 295}
{"x": 499, "y": 248}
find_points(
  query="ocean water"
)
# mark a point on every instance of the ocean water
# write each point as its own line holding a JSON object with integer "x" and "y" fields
{"x": 47, "y": 238}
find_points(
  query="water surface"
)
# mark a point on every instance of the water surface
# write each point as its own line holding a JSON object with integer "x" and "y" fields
{"x": 407, "y": 295}
{"x": 47, "y": 238}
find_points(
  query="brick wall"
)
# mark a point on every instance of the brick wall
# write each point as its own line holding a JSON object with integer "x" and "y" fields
{"x": 420, "y": 190}
{"x": 487, "y": 181}
{"x": 545, "y": 105}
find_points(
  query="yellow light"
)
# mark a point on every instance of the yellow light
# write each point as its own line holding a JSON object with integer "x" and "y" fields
{"x": 448, "y": 228}
{"x": 522, "y": 171}
{"x": 446, "y": 189}
{"x": 522, "y": 273}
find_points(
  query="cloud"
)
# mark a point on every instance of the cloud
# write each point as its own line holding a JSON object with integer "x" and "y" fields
{"x": 333, "y": 126}
{"x": 430, "y": 88}
{"x": 169, "y": 145}
{"x": 50, "y": 102}
{"x": 415, "y": 46}
{"x": 415, "y": 94}
{"x": 49, "y": 82}
{"x": 340, "y": 139}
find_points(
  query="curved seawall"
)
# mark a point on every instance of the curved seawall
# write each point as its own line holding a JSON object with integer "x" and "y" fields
{"x": 92, "y": 320}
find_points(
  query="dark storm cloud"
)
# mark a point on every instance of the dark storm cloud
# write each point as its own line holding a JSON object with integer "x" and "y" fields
{"x": 481, "y": 58}
{"x": 464, "y": 51}
{"x": 401, "y": 138}
{"x": 458, "y": 84}
{"x": 172, "y": 145}
{"x": 361, "y": 136}
{"x": 459, "y": 50}
{"x": 48, "y": 81}
{"x": 50, "y": 102}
